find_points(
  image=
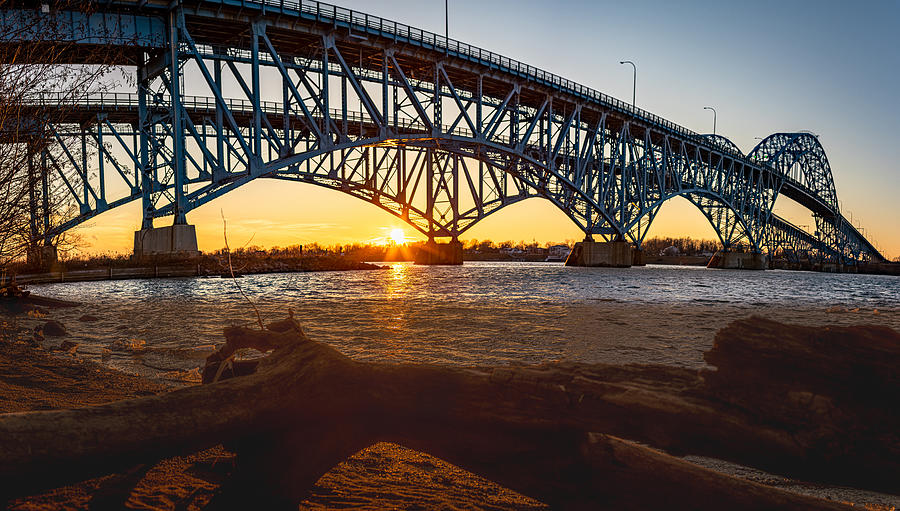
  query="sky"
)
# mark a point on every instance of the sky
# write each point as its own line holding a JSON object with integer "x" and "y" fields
{"x": 766, "y": 66}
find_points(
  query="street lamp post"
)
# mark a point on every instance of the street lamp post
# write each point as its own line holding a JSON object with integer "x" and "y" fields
{"x": 714, "y": 117}
{"x": 447, "y": 21}
{"x": 633, "y": 80}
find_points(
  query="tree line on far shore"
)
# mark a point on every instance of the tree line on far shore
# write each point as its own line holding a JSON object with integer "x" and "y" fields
{"x": 385, "y": 252}
{"x": 472, "y": 249}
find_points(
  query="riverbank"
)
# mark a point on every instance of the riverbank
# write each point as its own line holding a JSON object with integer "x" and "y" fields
{"x": 679, "y": 260}
{"x": 204, "y": 266}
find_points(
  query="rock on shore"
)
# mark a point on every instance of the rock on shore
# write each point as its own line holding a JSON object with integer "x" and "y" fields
{"x": 54, "y": 328}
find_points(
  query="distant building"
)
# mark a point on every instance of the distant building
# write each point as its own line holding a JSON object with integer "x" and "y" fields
{"x": 558, "y": 250}
{"x": 557, "y": 253}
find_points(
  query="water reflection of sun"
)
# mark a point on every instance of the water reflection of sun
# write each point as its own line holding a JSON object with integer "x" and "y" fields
{"x": 397, "y": 282}
{"x": 392, "y": 316}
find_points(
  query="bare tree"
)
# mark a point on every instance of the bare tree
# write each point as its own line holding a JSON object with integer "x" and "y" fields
{"x": 40, "y": 77}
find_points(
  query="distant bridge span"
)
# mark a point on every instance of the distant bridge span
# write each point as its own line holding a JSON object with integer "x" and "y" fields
{"x": 435, "y": 131}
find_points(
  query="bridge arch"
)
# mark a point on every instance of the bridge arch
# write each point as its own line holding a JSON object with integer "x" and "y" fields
{"x": 801, "y": 157}
{"x": 504, "y": 189}
{"x": 723, "y": 216}
{"x": 723, "y": 142}
{"x": 506, "y": 177}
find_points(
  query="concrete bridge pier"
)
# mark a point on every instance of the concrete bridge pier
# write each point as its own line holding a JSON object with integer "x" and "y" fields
{"x": 615, "y": 254}
{"x": 173, "y": 240}
{"x": 434, "y": 253}
{"x": 637, "y": 257}
{"x": 728, "y": 260}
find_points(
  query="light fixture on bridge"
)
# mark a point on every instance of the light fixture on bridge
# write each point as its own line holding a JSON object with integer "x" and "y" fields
{"x": 633, "y": 81}
{"x": 714, "y": 117}
{"x": 447, "y": 22}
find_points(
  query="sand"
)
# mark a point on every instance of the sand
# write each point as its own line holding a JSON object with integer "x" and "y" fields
{"x": 384, "y": 476}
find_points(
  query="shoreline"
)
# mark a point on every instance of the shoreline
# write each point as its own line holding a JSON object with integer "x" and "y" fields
{"x": 172, "y": 271}
{"x": 196, "y": 270}
{"x": 201, "y": 268}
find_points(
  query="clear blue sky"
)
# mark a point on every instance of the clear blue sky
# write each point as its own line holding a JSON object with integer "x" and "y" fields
{"x": 766, "y": 66}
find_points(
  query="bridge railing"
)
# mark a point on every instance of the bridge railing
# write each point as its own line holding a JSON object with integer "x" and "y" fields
{"x": 111, "y": 101}
{"x": 64, "y": 99}
{"x": 324, "y": 12}
{"x": 130, "y": 100}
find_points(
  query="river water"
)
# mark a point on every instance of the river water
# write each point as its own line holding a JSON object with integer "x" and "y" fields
{"x": 477, "y": 314}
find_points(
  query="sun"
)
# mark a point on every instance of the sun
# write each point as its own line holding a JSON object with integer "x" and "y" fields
{"x": 398, "y": 236}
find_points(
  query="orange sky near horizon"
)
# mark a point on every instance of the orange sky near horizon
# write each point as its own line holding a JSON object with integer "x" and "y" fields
{"x": 270, "y": 213}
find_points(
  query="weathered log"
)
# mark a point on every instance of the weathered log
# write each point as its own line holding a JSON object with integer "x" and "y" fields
{"x": 526, "y": 427}
{"x": 563, "y": 468}
{"x": 832, "y": 390}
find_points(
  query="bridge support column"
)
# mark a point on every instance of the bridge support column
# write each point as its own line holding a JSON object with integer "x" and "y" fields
{"x": 637, "y": 257}
{"x": 616, "y": 254}
{"x": 172, "y": 240}
{"x": 434, "y": 253}
{"x": 728, "y": 260}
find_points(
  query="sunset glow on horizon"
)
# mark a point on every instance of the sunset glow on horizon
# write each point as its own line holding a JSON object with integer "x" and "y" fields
{"x": 268, "y": 214}
{"x": 398, "y": 236}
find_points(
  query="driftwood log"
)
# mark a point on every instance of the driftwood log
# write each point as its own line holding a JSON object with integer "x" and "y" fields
{"x": 815, "y": 403}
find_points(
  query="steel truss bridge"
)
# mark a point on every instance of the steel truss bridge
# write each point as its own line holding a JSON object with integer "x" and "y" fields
{"x": 433, "y": 130}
